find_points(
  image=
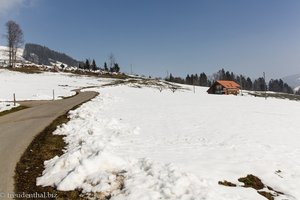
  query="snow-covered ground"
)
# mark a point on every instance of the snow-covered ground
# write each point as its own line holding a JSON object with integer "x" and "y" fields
{"x": 4, "y": 55}
{"x": 7, "y": 106}
{"x": 41, "y": 86}
{"x": 178, "y": 145}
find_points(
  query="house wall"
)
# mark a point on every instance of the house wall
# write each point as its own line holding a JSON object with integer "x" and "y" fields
{"x": 219, "y": 89}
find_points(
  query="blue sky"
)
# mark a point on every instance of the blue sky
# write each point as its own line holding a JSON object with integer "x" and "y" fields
{"x": 156, "y": 36}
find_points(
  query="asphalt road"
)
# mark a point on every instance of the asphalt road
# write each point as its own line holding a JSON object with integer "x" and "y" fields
{"x": 18, "y": 129}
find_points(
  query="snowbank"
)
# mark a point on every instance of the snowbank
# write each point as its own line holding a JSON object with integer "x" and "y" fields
{"x": 178, "y": 145}
{"x": 6, "y": 106}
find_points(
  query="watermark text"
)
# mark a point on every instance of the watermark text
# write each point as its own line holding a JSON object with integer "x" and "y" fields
{"x": 24, "y": 195}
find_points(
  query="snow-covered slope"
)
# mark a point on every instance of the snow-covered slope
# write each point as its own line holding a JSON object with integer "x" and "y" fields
{"x": 41, "y": 86}
{"x": 21, "y": 60}
{"x": 178, "y": 145}
{"x": 293, "y": 81}
{"x": 4, "y": 55}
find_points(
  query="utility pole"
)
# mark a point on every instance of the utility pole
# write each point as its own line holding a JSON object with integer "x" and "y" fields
{"x": 131, "y": 69}
{"x": 265, "y": 86}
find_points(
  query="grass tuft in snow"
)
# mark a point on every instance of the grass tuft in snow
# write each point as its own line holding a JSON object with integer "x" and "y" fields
{"x": 268, "y": 195}
{"x": 227, "y": 183}
{"x": 252, "y": 181}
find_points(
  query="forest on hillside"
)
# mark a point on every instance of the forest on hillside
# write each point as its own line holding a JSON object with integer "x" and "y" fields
{"x": 42, "y": 55}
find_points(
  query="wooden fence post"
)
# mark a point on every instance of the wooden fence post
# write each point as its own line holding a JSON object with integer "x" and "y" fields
{"x": 14, "y": 99}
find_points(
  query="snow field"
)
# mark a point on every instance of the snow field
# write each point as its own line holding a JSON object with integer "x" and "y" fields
{"x": 90, "y": 164}
{"x": 6, "y": 106}
{"x": 41, "y": 86}
{"x": 178, "y": 145}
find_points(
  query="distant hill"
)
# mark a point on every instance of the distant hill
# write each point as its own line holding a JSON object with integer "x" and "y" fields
{"x": 42, "y": 55}
{"x": 293, "y": 80}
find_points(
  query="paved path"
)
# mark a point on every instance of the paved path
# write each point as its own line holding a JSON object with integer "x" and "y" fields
{"x": 18, "y": 129}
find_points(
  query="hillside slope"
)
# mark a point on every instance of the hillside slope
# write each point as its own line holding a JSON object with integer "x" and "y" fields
{"x": 42, "y": 55}
{"x": 292, "y": 80}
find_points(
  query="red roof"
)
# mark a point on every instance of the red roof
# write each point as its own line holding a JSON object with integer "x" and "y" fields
{"x": 228, "y": 84}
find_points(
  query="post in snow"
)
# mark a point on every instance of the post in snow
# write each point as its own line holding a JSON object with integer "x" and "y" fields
{"x": 14, "y": 99}
{"x": 53, "y": 94}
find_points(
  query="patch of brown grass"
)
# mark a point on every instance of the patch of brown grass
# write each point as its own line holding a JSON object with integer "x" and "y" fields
{"x": 252, "y": 181}
{"x": 26, "y": 69}
{"x": 227, "y": 183}
{"x": 255, "y": 183}
{"x": 268, "y": 195}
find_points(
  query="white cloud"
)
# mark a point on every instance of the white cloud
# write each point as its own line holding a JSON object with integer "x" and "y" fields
{"x": 8, "y": 6}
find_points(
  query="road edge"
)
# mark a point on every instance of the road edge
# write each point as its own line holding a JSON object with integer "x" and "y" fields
{"x": 31, "y": 163}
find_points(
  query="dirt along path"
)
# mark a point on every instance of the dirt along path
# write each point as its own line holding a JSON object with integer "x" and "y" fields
{"x": 18, "y": 129}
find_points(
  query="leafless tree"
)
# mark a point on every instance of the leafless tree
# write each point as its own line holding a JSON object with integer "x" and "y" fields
{"x": 14, "y": 39}
{"x": 111, "y": 60}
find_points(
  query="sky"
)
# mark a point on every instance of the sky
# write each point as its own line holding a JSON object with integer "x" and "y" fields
{"x": 157, "y": 37}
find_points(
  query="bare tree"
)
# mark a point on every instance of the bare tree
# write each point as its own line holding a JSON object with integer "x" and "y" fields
{"x": 14, "y": 39}
{"x": 111, "y": 60}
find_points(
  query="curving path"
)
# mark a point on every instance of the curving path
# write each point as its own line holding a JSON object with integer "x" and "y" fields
{"x": 18, "y": 129}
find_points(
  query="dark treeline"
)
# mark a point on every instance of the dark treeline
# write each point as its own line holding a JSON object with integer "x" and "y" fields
{"x": 44, "y": 56}
{"x": 88, "y": 65}
{"x": 92, "y": 66}
{"x": 245, "y": 82}
{"x": 279, "y": 86}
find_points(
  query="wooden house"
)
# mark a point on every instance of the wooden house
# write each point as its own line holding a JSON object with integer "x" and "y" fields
{"x": 224, "y": 87}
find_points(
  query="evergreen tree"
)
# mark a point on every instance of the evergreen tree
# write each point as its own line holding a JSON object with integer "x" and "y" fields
{"x": 188, "y": 80}
{"x": 248, "y": 84}
{"x": 94, "y": 66}
{"x": 105, "y": 67}
{"x": 259, "y": 84}
{"x": 196, "y": 79}
{"x": 192, "y": 79}
{"x": 171, "y": 78}
{"x": 227, "y": 76}
{"x": 203, "y": 79}
{"x": 116, "y": 68}
{"x": 87, "y": 64}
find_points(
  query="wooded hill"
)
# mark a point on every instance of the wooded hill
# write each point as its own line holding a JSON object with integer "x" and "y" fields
{"x": 42, "y": 55}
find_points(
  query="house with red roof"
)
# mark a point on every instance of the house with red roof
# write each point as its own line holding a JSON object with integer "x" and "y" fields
{"x": 224, "y": 87}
